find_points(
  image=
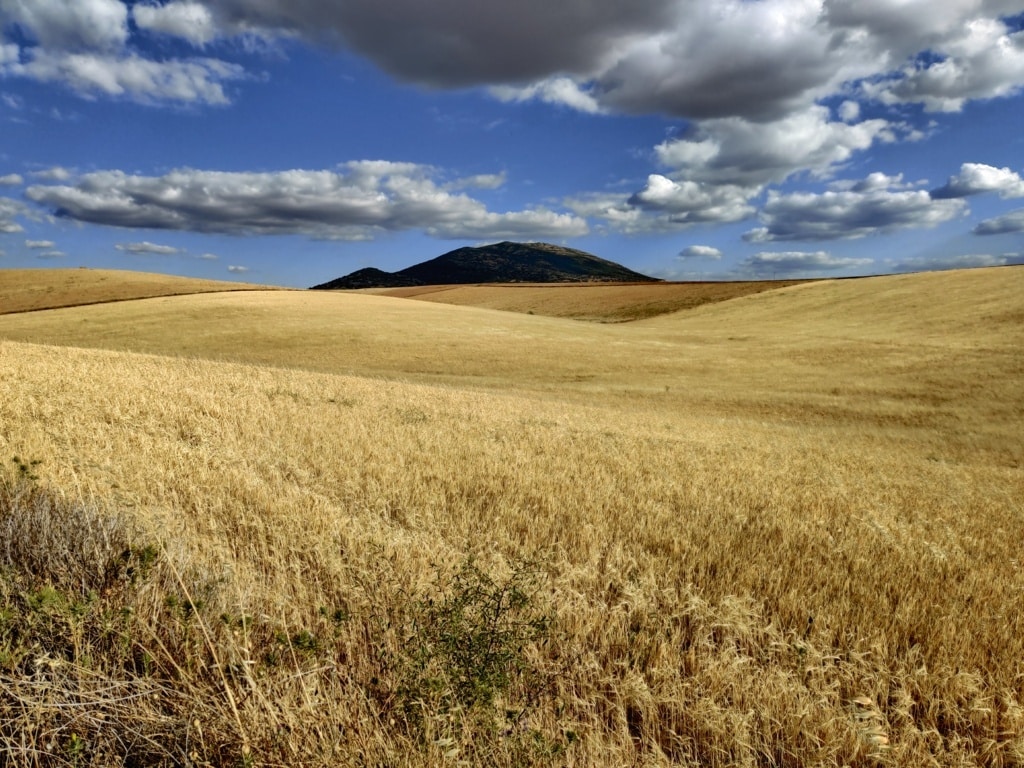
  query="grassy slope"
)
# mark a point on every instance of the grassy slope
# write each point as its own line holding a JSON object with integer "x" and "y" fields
{"x": 596, "y": 302}
{"x": 847, "y": 452}
{"x": 25, "y": 290}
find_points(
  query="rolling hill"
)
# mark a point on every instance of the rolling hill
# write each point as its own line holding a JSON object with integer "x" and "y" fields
{"x": 265, "y": 527}
{"x": 28, "y": 290}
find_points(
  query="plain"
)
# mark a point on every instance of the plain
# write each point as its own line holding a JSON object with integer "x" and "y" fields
{"x": 321, "y": 529}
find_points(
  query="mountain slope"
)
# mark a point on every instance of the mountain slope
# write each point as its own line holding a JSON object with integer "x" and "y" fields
{"x": 505, "y": 262}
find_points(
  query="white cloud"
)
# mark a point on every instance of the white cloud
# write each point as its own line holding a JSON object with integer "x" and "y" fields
{"x": 555, "y": 90}
{"x": 790, "y": 263}
{"x": 849, "y": 111}
{"x": 11, "y": 180}
{"x": 700, "y": 252}
{"x": 1001, "y": 225}
{"x": 187, "y": 19}
{"x": 976, "y": 178}
{"x": 70, "y": 25}
{"x": 208, "y": 256}
{"x": 39, "y": 244}
{"x": 737, "y": 151}
{"x": 84, "y": 45}
{"x": 132, "y": 76}
{"x": 480, "y": 181}
{"x": 691, "y": 202}
{"x": 146, "y": 247}
{"x": 51, "y": 255}
{"x": 361, "y": 200}
{"x": 238, "y": 270}
{"x": 985, "y": 60}
{"x": 8, "y": 210}
{"x": 56, "y": 173}
{"x": 872, "y": 207}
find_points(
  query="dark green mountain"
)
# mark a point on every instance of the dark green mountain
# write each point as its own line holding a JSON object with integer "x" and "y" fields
{"x": 499, "y": 263}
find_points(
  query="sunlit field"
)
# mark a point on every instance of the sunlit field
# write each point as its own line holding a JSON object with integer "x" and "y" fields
{"x": 292, "y": 528}
{"x": 26, "y": 290}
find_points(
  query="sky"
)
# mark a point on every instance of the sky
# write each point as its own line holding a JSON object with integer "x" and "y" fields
{"x": 290, "y": 142}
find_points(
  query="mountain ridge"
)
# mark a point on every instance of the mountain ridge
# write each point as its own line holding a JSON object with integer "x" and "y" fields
{"x": 504, "y": 262}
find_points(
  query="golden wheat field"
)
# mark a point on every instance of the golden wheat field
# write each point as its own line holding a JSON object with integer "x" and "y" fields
{"x": 25, "y": 290}
{"x": 292, "y": 528}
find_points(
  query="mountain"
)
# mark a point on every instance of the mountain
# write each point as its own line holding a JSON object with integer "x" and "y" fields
{"x": 498, "y": 263}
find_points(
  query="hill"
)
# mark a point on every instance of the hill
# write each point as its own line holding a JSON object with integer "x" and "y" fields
{"x": 29, "y": 290}
{"x": 505, "y": 262}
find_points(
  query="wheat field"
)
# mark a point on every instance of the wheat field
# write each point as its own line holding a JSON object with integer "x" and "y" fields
{"x": 27, "y": 290}
{"x": 302, "y": 529}
{"x": 600, "y": 302}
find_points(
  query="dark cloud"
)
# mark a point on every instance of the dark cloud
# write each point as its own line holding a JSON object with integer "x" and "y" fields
{"x": 456, "y": 43}
{"x": 961, "y": 261}
{"x": 1001, "y": 225}
{"x": 357, "y": 202}
{"x": 874, "y": 208}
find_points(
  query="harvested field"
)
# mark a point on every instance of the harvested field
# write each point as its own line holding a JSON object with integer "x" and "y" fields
{"x": 599, "y": 302}
{"x": 28, "y": 290}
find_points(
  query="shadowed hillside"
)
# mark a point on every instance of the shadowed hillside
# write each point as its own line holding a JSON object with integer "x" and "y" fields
{"x": 505, "y": 262}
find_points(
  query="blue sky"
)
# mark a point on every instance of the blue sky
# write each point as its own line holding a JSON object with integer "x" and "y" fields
{"x": 294, "y": 141}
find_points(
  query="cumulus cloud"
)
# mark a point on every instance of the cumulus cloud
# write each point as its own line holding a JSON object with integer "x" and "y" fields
{"x": 664, "y": 205}
{"x": 790, "y": 263}
{"x": 962, "y": 261}
{"x": 555, "y": 90}
{"x": 1001, "y": 225}
{"x": 358, "y": 201}
{"x": 190, "y": 20}
{"x": 147, "y": 248}
{"x": 84, "y": 45}
{"x": 56, "y": 173}
{"x": 976, "y": 178}
{"x": 985, "y": 60}
{"x": 700, "y": 252}
{"x": 737, "y": 151}
{"x": 70, "y": 25}
{"x": 236, "y": 269}
{"x": 131, "y": 76}
{"x": 690, "y": 202}
{"x": 457, "y": 43}
{"x": 11, "y": 180}
{"x": 875, "y": 206}
{"x": 39, "y": 244}
{"x": 8, "y": 210}
{"x": 698, "y": 59}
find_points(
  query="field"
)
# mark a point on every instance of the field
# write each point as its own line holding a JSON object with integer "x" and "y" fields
{"x": 26, "y": 290}
{"x": 601, "y": 302}
{"x": 294, "y": 528}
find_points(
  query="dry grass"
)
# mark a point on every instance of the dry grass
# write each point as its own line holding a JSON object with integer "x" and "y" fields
{"x": 806, "y": 552}
{"x": 600, "y": 302}
{"x": 28, "y": 290}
